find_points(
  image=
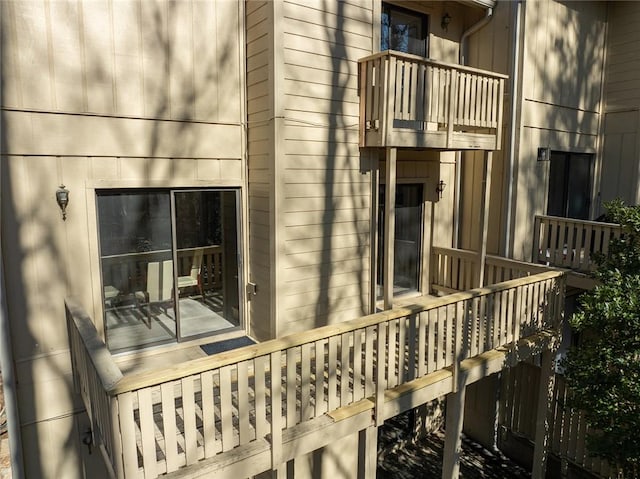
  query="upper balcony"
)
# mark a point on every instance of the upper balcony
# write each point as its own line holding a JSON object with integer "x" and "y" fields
{"x": 408, "y": 101}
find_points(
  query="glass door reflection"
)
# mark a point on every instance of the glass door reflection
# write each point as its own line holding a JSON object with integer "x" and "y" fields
{"x": 206, "y": 257}
{"x": 137, "y": 268}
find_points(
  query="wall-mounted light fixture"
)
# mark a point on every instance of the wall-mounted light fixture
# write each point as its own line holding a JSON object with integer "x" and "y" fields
{"x": 446, "y": 20}
{"x": 62, "y": 198}
{"x": 440, "y": 188}
{"x": 544, "y": 153}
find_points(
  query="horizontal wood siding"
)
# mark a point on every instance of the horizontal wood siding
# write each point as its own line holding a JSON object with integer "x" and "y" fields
{"x": 260, "y": 161}
{"x": 623, "y": 57}
{"x": 326, "y": 198}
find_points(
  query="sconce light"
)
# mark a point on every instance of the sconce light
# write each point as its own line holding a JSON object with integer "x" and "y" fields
{"x": 440, "y": 188}
{"x": 446, "y": 20}
{"x": 544, "y": 154}
{"x": 62, "y": 198}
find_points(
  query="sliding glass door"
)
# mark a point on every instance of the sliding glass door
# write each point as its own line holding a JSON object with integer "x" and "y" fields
{"x": 170, "y": 264}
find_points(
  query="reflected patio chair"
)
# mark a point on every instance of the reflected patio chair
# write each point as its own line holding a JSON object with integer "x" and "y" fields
{"x": 159, "y": 288}
{"x": 194, "y": 278}
{"x": 110, "y": 294}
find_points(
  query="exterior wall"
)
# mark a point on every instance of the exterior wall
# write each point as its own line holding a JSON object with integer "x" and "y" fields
{"x": 490, "y": 48}
{"x": 260, "y": 154}
{"x": 325, "y": 203}
{"x": 560, "y": 82}
{"x": 99, "y": 94}
{"x": 621, "y": 154}
{"x": 562, "y": 69}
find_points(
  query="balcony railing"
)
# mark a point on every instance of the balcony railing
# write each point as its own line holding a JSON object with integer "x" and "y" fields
{"x": 570, "y": 243}
{"x": 458, "y": 270}
{"x": 409, "y": 101}
{"x": 258, "y": 397}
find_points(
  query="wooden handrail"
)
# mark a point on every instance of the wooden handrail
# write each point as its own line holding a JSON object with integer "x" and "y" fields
{"x": 575, "y": 221}
{"x": 429, "y": 61}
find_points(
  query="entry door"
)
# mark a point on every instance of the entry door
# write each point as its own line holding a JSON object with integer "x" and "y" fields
{"x": 570, "y": 185}
{"x": 408, "y": 237}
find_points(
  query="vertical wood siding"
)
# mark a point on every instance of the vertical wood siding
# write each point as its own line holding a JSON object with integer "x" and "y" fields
{"x": 623, "y": 56}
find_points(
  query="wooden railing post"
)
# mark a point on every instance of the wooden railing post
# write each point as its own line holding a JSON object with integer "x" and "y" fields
{"x": 276, "y": 410}
{"x": 381, "y": 383}
{"x": 451, "y": 113}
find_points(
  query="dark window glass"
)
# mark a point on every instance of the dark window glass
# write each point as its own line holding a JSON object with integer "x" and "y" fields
{"x": 569, "y": 185}
{"x": 403, "y": 31}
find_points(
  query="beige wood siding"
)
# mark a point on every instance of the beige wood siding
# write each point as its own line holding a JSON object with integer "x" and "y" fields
{"x": 325, "y": 209}
{"x": 490, "y": 48}
{"x": 260, "y": 163}
{"x": 623, "y": 56}
{"x": 99, "y": 94}
{"x": 621, "y": 157}
{"x": 621, "y": 151}
{"x": 563, "y": 61}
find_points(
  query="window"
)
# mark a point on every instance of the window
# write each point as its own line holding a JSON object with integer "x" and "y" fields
{"x": 569, "y": 185}
{"x": 169, "y": 263}
{"x": 408, "y": 238}
{"x": 403, "y": 30}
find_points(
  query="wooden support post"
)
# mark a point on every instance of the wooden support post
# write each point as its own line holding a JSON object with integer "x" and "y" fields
{"x": 389, "y": 226}
{"x": 453, "y": 433}
{"x": 543, "y": 415}
{"x": 367, "y": 452}
{"x": 484, "y": 230}
{"x": 375, "y": 205}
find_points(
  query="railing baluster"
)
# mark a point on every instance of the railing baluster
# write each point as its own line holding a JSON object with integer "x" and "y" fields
{"x": 208, "y": 415}
{"x": 189, "y": 420}
{"x": 243, "y": 402}
{"x": 345, "y": 349}
{"x": 358, "y": 382}
{"x": 319, "y": 370}
{"x": 260, "y": 391}
{"x": 291, "y": 386}
{"x": 305, "y": 382}
{"x": 226, "y": 405}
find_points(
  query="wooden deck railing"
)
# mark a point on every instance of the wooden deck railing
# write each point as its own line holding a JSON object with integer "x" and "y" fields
{"x": 410, "y": 101}
{"x": 567, "y": 439}
{"x": 570, "y": 243}
{"x": 157, "y": 422}
{"x": 457, "y": 269}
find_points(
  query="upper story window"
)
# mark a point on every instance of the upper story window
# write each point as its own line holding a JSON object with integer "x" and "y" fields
{"x": 403, "y": 30}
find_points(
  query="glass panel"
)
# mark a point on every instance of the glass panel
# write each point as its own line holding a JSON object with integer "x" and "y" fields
{"x": 578, "y": 196}
{"x": 207, "y": 261}
{"x": 408, "y": 238}
{"x": 137, "y": 268}
{"x": 403, "y": 31}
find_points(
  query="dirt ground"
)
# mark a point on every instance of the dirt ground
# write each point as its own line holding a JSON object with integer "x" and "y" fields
{"x": 400, "y": 458}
